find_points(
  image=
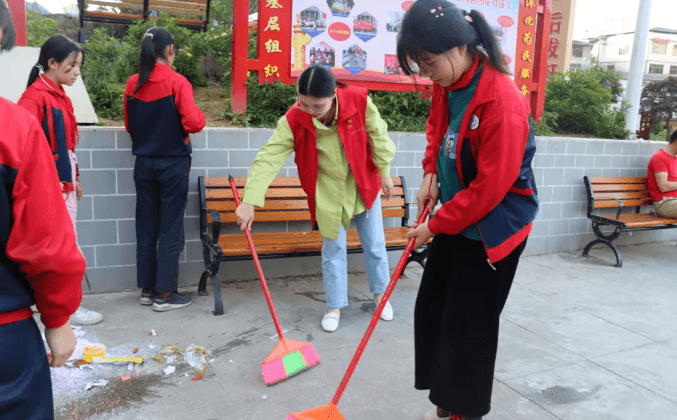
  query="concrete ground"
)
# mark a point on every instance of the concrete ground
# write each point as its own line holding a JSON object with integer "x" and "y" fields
{"x": 580, "y": 340}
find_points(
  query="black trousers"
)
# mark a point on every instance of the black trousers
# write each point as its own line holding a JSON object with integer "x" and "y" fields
{"x": 25, "y": 382}
{"x": 161, "y": 195}
{"x": 456, "y": 322}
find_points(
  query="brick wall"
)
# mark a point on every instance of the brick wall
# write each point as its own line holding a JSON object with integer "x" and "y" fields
{"x": 106, "y": 231}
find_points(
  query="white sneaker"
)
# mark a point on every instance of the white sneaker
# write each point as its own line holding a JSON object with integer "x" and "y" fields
{"x": 84, "y": 316}
{"x": 387, "y": 314}
{"x": 330, "y": 321}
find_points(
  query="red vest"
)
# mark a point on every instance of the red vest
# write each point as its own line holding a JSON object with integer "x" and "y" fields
{"x": 351, "y": 130}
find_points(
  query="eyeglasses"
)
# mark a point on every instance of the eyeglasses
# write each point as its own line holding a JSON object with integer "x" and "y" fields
{"x": 310, "y": 109}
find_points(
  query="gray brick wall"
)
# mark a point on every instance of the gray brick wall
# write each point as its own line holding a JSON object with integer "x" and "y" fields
{"x": 106, "y": 228}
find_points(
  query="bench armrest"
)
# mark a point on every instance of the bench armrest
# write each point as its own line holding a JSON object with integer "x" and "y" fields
{"x": 216, "y": 226}
{"x": 620, "y": 208}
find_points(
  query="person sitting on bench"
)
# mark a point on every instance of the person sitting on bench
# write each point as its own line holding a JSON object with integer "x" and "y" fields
{"x": 661, "y": 179}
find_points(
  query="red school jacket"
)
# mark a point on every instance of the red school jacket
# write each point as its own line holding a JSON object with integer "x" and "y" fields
{"x": 161, "y": 114}
{"x": 352, "y": 132}
{"x": 40, "y": 263}
{"x": 495, "y": 149}
{"x": 54, "y": 111}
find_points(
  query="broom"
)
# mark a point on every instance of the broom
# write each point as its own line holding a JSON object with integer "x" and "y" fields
{"x": 330, "y": 411}
{"x": 288, "y": 357}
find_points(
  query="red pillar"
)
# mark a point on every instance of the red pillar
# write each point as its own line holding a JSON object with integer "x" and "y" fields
{"x": 18, "y": 10}
{"x": 240, "y": 64}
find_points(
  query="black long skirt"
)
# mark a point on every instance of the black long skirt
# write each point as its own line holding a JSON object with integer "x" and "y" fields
{"x": 456, "y": 323}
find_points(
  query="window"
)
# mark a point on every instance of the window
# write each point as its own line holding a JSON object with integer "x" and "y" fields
{"x": 674, "y": 51}
{"x": 673, "y": 69}
{"x": 577, "y": 51}
{"x": 611, "y": 67}
{"x": 659, "y": 46}
{"x": 655, "y": 68}
{"x": 624, "y": 50}
{"x": 575, "y": 67}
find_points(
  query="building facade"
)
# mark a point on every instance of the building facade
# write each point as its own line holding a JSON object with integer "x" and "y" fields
{"x": 614, "y": 52}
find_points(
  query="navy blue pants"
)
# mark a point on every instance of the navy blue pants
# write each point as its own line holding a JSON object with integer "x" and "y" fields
{"x": 161, "y": 195}
{"x": 25, "y": 383}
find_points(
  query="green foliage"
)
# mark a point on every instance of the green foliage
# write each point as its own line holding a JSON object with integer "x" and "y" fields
{"x": 221, "y": 11}
{"x": 102, "y": 75}
{"x": 660, "y": 136}
{"x": 186, "y": 63}
{"x": 544, "y": 128}
{"x": 403, "y": 111}
{"x": 661, "y": 97}
{"x": 39, "y": 28}
{"x": 266, "y": 103}
{"x": 581, "y": 103}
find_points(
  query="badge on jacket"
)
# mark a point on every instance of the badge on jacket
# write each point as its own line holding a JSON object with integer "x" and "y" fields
{"x": 450, "y": 144}
{"x": 474, "y": 122}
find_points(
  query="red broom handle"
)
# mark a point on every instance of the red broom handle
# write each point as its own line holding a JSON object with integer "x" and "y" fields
{"x": 255, "y": 257}
{"x": 379, "y": 309}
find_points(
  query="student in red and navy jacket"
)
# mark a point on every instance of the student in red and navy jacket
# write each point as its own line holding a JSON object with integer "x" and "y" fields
{"x": 58, "y": 65}
{"x": 40, "y": 263}
{"x": 478, "y": 162}
{"x": 159, "y": 114}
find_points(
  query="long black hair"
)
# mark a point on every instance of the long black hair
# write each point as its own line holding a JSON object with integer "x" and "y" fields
{"x": 153, "y": 45}
{"x": 437, "y": 26}
{"x": 317, "y": 81}
{"x": 57, "y": 47}
{"x": 9, "y": 35}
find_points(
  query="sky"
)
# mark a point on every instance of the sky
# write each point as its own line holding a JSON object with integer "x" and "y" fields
{"x": 598, "y": 17}
{"x": 592, "y": 17}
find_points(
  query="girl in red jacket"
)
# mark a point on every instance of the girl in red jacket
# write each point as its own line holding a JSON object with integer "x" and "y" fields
{"x": 159, "y": 114}
{"x": 58, "y": 65}
{"x": 478, "y": 163}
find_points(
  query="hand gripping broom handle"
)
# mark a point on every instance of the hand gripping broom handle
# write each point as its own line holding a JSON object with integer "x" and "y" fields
{"x": 379, "y": 309}
{"x": 255, "y": 257}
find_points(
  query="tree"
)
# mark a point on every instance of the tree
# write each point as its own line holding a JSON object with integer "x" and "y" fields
{"x": 39, "y": 28}
{"x": 586, "y": 102}
{"x": 221, "y": 11}
{"x": 661, "y": 95}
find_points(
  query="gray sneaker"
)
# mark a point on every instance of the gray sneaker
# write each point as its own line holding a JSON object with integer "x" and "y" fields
{"x": 175, "y": 300}
{"x": 84, "y": 316}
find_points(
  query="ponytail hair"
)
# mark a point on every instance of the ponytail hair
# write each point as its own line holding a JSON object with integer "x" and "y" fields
{"x": 437, "y": 26}
{"x": 153, "y": 45}
{"x": 57, "y": 47}
{"x": 486, "y": 46}
{"x": 317, "y": 81}
{"x": 9, "y": 35}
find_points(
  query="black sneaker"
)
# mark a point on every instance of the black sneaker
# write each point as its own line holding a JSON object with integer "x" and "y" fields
{"x": 147, "y": 296}
{"x": 174, "y": 301}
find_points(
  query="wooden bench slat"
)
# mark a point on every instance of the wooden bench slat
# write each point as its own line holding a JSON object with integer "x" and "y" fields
{"x": 240, "y": 182}
{"x": 178, "y": 11}
{"x": 283, "y": 216}
{"x": 107, "y": 15}
{"x": 177, "y": 4}
{"x": 621, "y": 195}
{"x": 127, "y": 4}
{"x": 605, "y": 204}
{"x": 225, "y": 206}
{"x": 273, "y": 242}
{"x": 619, "y": 187}
{"x": 222, "y": 193}
{"x": 617, "y": 180}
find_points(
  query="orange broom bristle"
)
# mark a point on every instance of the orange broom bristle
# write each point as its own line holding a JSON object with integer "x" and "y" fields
{"x": 325, "y": 412}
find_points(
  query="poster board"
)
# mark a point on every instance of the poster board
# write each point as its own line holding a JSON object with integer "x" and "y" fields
{"x": 357, "y": 40}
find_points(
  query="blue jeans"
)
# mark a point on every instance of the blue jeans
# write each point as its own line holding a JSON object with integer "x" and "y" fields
{"x": 335, "y": 258}
{"x": 161, "y": 195}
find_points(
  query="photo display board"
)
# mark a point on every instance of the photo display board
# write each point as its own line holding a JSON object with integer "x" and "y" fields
{"x": 357, "y": 39}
